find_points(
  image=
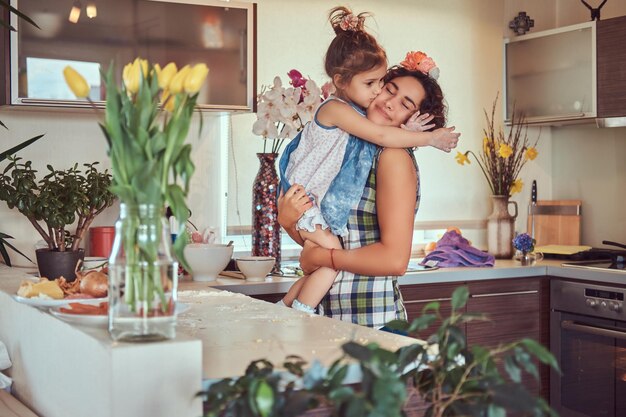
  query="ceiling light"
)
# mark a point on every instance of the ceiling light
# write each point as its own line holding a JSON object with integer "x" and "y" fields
{"x": 92, "y": 11}
{"x": 75, "y": 12}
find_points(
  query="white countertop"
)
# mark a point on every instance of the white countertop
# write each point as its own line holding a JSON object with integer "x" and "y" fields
{"x": 235, "y": 329}
{"x": 503, "y": 269}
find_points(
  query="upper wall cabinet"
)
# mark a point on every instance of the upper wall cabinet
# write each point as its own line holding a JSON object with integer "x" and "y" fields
{"x": 218, "y": 33}
{"x": 573, "y": 74}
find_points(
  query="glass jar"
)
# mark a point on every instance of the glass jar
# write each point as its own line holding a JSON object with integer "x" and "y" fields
{"x": 143, "y": 276}
{"x": 528, "y": 258}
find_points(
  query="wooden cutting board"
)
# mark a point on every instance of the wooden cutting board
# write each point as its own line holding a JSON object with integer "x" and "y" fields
{"x": 557, "y": 222}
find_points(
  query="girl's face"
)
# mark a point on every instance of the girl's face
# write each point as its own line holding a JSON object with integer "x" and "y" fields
{"x": 363, "y": 87}
{"x": 399, "y": 99}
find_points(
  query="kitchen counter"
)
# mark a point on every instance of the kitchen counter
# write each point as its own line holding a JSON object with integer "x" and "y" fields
{"x": 222, "y": 332}
{"x": 217, "y": 337}
{"x": 503, "y": 269}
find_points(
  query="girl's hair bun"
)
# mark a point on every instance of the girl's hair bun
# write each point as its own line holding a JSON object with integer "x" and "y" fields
{"x": 343, "y": 20}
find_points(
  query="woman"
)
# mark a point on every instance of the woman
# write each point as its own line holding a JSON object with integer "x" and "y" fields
{"x": 377, "y": 246}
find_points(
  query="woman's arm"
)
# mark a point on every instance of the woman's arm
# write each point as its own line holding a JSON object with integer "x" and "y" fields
{"x": 291, "y": 205}
{"x": 396, "y": 185}
{"x": 336, "y": 113}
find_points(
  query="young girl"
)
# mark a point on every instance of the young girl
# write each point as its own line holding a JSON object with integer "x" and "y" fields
{"x": 356, "y": 64}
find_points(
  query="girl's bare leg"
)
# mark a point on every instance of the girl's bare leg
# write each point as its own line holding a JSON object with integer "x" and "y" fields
{"x": 316, "y": 285}
{"x": 294, "y": 291}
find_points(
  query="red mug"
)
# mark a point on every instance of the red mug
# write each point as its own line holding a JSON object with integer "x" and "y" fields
{"x": 101, "y": 240}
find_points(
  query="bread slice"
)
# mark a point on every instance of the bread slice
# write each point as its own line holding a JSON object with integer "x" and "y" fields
{"x": 42, "y": 288}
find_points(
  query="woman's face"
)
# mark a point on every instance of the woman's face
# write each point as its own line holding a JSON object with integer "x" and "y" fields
{"x": 399, "y": 99}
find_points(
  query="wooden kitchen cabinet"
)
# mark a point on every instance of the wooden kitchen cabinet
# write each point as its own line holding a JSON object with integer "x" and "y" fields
{"x": 516, "y": 308}
{"x": 417, "y": 296}
{"x": 270, "y": 298}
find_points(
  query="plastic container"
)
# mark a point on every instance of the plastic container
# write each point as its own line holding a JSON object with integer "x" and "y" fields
{"x": 101, "y": 240}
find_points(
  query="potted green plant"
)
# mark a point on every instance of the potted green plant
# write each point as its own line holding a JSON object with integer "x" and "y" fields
{"x": 4, "y": 244}
{"x": 451, "y": 378}
{"x": 52, "y": 204}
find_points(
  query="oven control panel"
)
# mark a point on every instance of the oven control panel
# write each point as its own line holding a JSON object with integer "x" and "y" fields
{"x": 604, "y": 299}
{"x": 590, "y": 299}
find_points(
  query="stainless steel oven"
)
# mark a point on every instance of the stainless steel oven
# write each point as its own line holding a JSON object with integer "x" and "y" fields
{"x": 588, "y": 338}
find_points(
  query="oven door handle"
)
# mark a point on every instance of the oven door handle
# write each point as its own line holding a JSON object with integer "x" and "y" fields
{"x": 597, "y": 331}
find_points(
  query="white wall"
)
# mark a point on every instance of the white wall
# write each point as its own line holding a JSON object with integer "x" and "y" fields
{"x": 74, "y": 136}
{"x": 465, "y": 39}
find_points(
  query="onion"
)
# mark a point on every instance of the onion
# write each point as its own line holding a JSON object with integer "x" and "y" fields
{"x": 95, "y": 283}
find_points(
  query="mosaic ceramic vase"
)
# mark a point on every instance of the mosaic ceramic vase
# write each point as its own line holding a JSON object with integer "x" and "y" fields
{"x": 501, "y": 227}
{"x": 265, "y": 227}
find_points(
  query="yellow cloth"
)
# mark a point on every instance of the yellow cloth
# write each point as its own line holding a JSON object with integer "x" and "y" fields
{"x": 561, "y": 249}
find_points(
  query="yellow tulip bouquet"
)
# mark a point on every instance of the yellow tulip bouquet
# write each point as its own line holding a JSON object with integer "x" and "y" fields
{"x": 503, "y": 156}
{"x": 151, "y": 164}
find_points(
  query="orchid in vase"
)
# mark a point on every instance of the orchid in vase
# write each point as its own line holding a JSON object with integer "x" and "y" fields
{"x": 146, "y": 122}
{"x": 282, "y": 111}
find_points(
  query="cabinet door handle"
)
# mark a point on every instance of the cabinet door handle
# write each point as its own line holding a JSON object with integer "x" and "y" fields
{"x": 539, "y": 119}
{"x": 498, "y": 294}
{"x": 430, "y": 300}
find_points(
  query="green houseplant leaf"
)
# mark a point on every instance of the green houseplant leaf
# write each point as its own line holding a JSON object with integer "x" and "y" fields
{"x": 3, "y": 237}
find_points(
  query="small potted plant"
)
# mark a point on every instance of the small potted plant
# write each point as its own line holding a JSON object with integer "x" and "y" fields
{"x": 525, "y": 250}
{"x": 52, "y": 204}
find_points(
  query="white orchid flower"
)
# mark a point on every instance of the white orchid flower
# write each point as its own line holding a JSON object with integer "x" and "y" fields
{"x": 289, "y": 131}
{"x": 306, "y": 113}
{"x": 312, "y": 93}
{"x": 264, "y": 128}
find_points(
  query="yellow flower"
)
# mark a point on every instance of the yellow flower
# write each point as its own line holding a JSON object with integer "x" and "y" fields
{"x": 76, "y": 82}
{"x": 195, "y": 78}
{"x": 176, "y": 85}
{"x": 516, "y": 187}
{"x": 165, "y": 75}
{"x": 131, "y": 77}
{"x": 486, "y": 147}
{"x": 143, "y": 63}
{"x": 462, "y": 158}
{"x": 168, "y": 101}
{"x": 531, "y": 153}
{"x": 132, "y": 74}
{"x": 505, "y": 150}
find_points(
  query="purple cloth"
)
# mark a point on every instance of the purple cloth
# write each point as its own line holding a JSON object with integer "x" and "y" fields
{"x": 454, "y": 250}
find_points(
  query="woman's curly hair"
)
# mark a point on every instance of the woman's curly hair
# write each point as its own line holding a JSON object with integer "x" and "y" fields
{"x": 433, "y": 103}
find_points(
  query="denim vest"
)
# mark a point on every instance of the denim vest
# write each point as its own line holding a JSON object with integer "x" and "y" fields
{"x": 346, "y": 189}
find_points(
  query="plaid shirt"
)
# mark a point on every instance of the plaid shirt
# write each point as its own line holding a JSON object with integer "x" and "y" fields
{"x": 366, "y": 300}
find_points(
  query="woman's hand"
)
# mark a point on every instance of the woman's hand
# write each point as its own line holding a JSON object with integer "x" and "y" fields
{"x": 291, "y": 205}
{"x": 309, "y": 256}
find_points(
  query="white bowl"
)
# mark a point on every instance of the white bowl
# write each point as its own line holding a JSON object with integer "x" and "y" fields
{"x": 207, "y": 260}
{"x": 255, "y": 268}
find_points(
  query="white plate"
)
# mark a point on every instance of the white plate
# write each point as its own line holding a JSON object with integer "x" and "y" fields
{"x": 100, "y": 321}
{"x": 46, "y": 302}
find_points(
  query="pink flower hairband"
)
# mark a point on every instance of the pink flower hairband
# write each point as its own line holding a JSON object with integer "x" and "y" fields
{"x": 349, "y": 22}
{"x": 419, "y": 61}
